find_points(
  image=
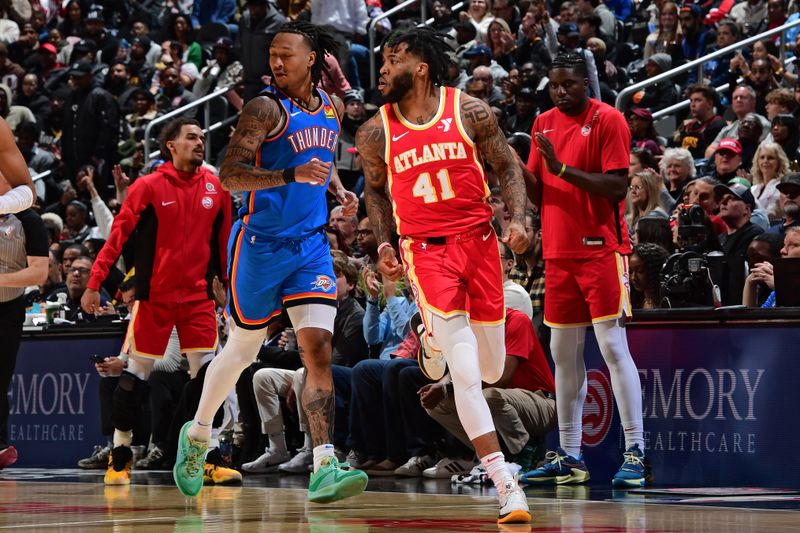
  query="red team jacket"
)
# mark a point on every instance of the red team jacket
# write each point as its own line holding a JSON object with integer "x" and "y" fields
{"x": 182, "y": 226}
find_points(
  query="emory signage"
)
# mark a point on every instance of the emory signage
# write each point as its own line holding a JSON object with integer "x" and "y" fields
{"x": 54, "y": 400}
{"x": 716, "y": 400}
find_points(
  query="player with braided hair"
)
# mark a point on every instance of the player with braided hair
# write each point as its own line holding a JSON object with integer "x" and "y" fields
{"x": 645, "y": 264}
{"x": 281, "y": 157}
{"x": 428, "y": 144}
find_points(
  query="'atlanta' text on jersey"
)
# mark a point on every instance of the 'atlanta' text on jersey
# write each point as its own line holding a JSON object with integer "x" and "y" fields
{"x": 430, "y": 152}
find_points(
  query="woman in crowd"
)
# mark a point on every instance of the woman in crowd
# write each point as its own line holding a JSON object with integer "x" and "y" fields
{"x": 641, "y": 159}
{"x": 479, "y": 13}
{"x": 677, "y": 166}
{"x": 502, "y": 43}
{"x": 643, "y": 195}
{"x": 769, "y": 166}
{"x": 72, "y": 25}
{"x": 645, "y": 273}
{"x": 643, "y": 131}
{"x": 785, "y": 132}
{"x": 668, "y": 35}
{"x": 654, "y": 230}
{"x": 179, "y": 28}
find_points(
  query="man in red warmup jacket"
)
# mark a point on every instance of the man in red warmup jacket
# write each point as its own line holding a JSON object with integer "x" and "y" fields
{"x": 183, "y": 218}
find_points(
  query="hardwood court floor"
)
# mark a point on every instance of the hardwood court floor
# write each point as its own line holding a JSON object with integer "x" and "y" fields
{"x": 80, "y": 502}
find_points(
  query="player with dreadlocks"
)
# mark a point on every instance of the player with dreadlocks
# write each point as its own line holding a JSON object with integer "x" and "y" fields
{"x": 429, "y": 144}
{"x": 579, "y": 169}
{"x": 281, "y": 157}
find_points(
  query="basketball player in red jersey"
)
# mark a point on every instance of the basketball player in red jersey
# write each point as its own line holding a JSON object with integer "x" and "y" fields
{"x": 579, "y": 164}
{"x": 433, "y": 165}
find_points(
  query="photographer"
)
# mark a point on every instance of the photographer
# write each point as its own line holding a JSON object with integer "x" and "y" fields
{"x": 736, "y": 205}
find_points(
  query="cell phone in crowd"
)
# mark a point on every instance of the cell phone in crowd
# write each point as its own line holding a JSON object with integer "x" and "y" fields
{"x": 97, "y": 359}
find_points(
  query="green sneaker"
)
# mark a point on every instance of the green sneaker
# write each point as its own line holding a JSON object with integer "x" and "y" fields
{"x": 334, "y": 481}
{"x": 188, "y": 469}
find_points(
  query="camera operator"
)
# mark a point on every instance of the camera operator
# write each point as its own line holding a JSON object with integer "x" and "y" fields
{"x": 763, "y": 272}
{"x": 736, "y": 205}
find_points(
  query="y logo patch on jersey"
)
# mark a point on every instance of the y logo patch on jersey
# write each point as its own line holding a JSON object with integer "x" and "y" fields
{"x": 323, "y": 282}
{"x": 329, "y": 113}
{"x": 445, "y": 124}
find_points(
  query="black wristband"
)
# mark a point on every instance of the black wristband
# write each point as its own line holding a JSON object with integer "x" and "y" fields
{"x": 288, "y": 175}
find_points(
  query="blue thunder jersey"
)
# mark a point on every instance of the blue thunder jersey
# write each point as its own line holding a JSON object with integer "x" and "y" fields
{"x": 295, "y": 209}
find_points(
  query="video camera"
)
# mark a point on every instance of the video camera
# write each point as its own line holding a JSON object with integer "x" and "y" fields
{"x": 692, "y": 276}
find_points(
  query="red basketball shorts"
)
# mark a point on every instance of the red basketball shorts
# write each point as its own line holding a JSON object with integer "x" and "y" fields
{"x": 152, "y": 323}
{"x": 581, "y": 292}
{"x": 461, "y": 275}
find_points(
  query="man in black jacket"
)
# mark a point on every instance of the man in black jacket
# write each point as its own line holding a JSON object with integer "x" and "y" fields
{"x": 91, "y": 126}
{"x": 258, "y": 23}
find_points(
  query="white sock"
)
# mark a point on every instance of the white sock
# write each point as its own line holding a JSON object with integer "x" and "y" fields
{"x": 625, "y": 383}
{"x": 307, "y": 444}
{"x": 240, "y": 351}
{"x": 213, "y": 441}
{"x": 566, "y": 345}
{"x": 277, "y": 442}
{"x": 496, "y": 467}
{"x": 321, "y": 452}
{"x": 122, "y": 438}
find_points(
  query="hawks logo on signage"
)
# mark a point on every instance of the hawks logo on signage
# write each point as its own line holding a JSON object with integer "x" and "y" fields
{"x": 598, "y": 408}
{"x": 323, "y": 282}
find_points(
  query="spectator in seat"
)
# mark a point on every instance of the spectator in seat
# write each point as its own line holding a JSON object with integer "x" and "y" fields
{"x": 702, "y": 193}
{"x": 77, "y": 279}
{"x": 770, "y": 165}
{"x": 779, "y": 102}
{"x": 668, "y": 37}
{"x": 479, "y": 13}
{"x": 789, "y": 187}
{"x": 727, "y": 160}
{"x": 643, "y": 132}
{"x": 678, "y": 168}
{"x": 641, "y": 159}
{"x": 659, "y": 95}
{"x": 785, "y": 132}
{"x": 643, "y": 198}
{"x": 736, "y": 205}
{"x": 524, "y": 112}
{"x": 654, "y": 230}
{"x": 765, "y": 247}
{"x": 516, "y": 296}
{"x": 521, "y": 401}
{"x": 696, "y": 36}
{"x": 750, "y": 133}
{"x": 645, "y": 273}
{"x": 172, "y": 94}
{"x": 701, "y": 128}
{"x": 31, "y": 96}
{"x": 743, "y": 102}
{"x": 763, "y": 272}
{"x": 345, "y": 225}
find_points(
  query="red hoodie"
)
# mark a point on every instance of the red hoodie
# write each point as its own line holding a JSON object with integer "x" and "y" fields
{"x": 182, "y": 225}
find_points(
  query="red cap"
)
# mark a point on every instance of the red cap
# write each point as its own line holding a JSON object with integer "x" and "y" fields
{"x": 732, "y": 145}
{"x": 49, "y": 47}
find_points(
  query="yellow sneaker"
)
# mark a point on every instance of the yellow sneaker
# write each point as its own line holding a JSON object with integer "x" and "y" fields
{"x": 219, "y": 475}
{"x": 119, "y": 466}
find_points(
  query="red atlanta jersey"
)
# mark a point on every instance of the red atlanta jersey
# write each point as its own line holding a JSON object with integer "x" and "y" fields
{"x": 575, "y": 223}
{"x": 435, "y": 172}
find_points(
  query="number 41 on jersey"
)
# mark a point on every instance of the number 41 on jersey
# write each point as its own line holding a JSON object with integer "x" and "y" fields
{"x": 425, "y": 189}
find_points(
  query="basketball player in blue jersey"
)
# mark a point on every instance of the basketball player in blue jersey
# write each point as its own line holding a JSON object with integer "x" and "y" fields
{"x": 281, "y": 157}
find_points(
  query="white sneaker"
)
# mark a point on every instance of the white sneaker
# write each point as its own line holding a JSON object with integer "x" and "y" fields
{"x": 267, "y": 462}
{"x": 513, "y": 504}
{"x": 415, "y": 466}
{"x": 447, "y": 468}
{"x": 476, "y": 476}
{"x": 299, "y": 464}
{"x": 429, "y": 356}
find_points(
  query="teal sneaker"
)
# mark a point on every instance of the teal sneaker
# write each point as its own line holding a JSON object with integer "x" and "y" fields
{"x": 635, "y": 471}
{"x": 334, "y": 481}
{"x": 559, "y": 468}
{"x": 188, "y": 469}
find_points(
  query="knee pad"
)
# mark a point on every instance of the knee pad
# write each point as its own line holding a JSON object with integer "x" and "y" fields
{"x": 465, "y": 371}
{"x": 128, "y": 400}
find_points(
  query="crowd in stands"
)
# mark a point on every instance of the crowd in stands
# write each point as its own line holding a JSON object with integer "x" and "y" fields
{"x": 81, "y": 81}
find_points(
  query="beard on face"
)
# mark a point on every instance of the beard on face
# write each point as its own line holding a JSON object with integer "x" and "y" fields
{"x": 399, "y": 87}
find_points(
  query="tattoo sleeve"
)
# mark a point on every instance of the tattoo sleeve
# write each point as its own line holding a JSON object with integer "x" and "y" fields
{"x": 371, "y": 144}
{"x": 482, "y": 124}
{"x": 237, "y": 173}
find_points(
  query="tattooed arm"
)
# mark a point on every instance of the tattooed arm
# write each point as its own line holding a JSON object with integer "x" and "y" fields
{"x": 481, "y": 126}
{"x": 371, "y": 144}
{"x": 259, "y": 117}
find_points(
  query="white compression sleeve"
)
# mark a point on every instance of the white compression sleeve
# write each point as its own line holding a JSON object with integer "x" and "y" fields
{"x": 460, "y": 347}
{"x": 625, "y": 382}
{"x": 566, "y": 345}
{"x": 17, "y": 199}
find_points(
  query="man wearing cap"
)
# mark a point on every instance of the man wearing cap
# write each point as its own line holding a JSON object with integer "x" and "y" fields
{"x": 659, "y": 95}
{"x": 695, "y": 34}
{"x": 789, "y": 188}
{"x": 727, "y": 160}
{"x": 481, "y": 55}
{"x": 95, "y": 27}
{"x": 703, "y": 125}
{"x": 736, "y": 205}
{"x": 346, "y": 156}
{"x": 140, "y": 66}
{"x": 260, "y": 20}
{"x": 91, "y": 125}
